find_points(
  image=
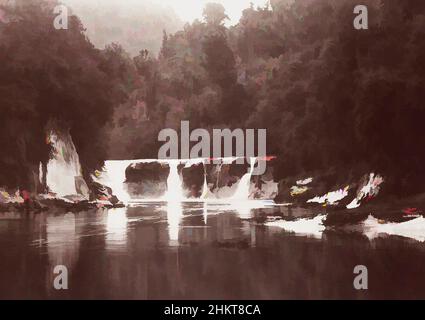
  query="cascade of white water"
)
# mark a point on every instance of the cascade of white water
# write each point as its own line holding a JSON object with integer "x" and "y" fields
{"x": 205, "y": 186}
{"x": 174, "y": 183}
{"x": 242, "y": 192}
{"x": 218, "y": 175}
{"x": 64, "y": 167}
{"x": 115, "y": 179}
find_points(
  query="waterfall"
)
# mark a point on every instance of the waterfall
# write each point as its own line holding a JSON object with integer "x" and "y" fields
{"x": 64, "y": 167}
{"x": 174, "y": 183}
{"x": 242, "y": 192}
{"x": 115, "y": 179}
{"x": 205, "y": 186}
{"x": 218, "y": 175}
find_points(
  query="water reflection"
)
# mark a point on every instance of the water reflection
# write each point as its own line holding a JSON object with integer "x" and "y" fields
{"x": 62, "y": 244}
{"x": 116, "y": 227}
{"x": 205, "y": 212}
{"x": 309, "y": 226}
{"x": 61, "y": 239}
{"x": 245, "y": 208}
{"x": 130, "y": 253}
{"x": 174, "y": 217}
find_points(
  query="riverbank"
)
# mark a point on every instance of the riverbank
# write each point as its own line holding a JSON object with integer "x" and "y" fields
{"x": 57, "y": 204}
{"x": 385, "y": 210}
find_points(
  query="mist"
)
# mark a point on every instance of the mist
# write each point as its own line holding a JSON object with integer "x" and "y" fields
{"x": 139, "y": 24}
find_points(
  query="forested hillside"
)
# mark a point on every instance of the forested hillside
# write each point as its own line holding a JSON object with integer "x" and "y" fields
{"x": 337, "y": 102}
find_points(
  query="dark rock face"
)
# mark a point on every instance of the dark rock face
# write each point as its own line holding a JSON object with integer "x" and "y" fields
{"x": 218, "y": 176}
{"x": 99, "y": 191}
{"x": 147, "y": 172}
{"x": 222, "y": 175}
{"x": 193, "y": 180}
{"x": 147, "y": 179}
{"x": 261, "y": 183}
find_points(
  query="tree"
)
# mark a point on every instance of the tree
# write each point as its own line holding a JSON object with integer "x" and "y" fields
{"x": 51, "y": 79}
{"x": 214, "y": 14}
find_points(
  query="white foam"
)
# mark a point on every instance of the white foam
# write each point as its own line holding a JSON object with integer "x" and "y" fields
{"x": 371, "y": 188}
{"x": 64, "y": 167}
{"x": 242, "y": 191}
{"x": 304, "y": 182}
{"x": 414, "y": 229}
{"x": 114, "y": 177}
{"x": 312, "y": 227}
{"x": 331, "y": 197}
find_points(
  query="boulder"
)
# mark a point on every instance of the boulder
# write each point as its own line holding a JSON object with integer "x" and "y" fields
{"x": 147, "y": 179}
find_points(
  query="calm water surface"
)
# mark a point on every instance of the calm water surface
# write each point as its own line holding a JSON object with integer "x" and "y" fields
{"x": 195, "y": 251}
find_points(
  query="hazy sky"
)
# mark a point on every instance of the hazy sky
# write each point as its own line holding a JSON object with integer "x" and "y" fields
{"x": 138, "y": 24}
{"x": 187, "y": 10}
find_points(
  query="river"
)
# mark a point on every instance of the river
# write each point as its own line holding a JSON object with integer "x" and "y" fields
{"x": 195, "y": 250}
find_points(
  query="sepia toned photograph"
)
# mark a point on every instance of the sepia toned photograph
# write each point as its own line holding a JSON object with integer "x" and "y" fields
{"x": 232, "y": 150}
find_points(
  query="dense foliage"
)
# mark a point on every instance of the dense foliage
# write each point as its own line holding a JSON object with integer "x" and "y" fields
{"x": 50, "y": 79}
{"x": 336, "y": 101}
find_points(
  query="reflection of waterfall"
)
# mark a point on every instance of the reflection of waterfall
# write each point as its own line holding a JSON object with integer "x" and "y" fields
{"x": 174, "y": 196}
{"x": 174, "y": 183}
{"x": 205, "y": 212}
{"x": 116, "y": 227}
{"x": 174, "y": 216}
{"x": 62, "y": 243}
{"x": 242, "y": 192}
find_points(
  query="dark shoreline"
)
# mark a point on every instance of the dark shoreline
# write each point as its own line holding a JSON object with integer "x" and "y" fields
{"x": 384, "y": 209}
{"x": 37, "y": 206}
